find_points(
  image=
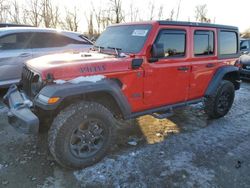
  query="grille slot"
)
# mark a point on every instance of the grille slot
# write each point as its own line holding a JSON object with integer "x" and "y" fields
{"x": 27, "y": 78}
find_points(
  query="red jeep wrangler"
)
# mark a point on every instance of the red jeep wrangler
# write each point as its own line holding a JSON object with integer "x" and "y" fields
{"x": 134, "y": 69}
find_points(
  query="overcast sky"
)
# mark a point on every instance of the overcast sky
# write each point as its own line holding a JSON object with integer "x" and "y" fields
{"x": 227, "y": 12}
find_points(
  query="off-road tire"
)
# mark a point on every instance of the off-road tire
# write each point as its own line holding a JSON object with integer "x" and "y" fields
{"x": 213, "y": 103}
{"x": 67, "y": 121}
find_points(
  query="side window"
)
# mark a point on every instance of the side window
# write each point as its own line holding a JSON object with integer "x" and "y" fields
{"x": 203, "y": 43}
{"x": 15, "y": 41}
{"x": 228, "y": 42}
{"x": 244, "y": 45}
{"x": 40, "y": 40}
{"x": 60, "y": 40}
{"x": 174, "y": 42}
{"x": 51, "y": 40}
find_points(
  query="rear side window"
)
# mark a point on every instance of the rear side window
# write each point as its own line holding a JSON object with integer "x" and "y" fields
{"x": 203, "y": 43}
{"x": 51, "y": 40}
{"x": 15, "y": 41}
{"x": 174, "y": 42}
{"x": 228, "y": 43}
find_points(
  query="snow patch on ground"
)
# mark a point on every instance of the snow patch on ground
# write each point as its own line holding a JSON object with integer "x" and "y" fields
{"x": 196, "y": 176}
{"x": 137, "y": 170}
{"x": 104, "y": 173}
{"x": 80, "y": 79}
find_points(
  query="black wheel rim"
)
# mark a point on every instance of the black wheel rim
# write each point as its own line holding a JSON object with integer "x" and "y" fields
{"x": 87, "y": 139}
{"x": 224, "y": 102}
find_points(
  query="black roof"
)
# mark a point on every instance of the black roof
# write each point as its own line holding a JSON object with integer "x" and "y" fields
{"x": 197, "y": 24}
{"x": 13, "y": 25}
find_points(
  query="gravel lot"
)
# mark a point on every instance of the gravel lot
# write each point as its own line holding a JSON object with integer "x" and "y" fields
{"x": 186, "y": 150}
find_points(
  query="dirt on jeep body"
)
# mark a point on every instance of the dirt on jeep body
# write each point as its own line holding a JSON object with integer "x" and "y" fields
{"x": 186, "y": 150}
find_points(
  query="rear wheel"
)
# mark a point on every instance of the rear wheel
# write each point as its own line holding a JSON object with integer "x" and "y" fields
{"x": 81, "y": 134}
{"x": 221, "y": 101}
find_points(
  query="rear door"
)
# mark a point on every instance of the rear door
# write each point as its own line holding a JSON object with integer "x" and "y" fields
{"x": 14, "y": 52}
{"x": 204, "y": 60}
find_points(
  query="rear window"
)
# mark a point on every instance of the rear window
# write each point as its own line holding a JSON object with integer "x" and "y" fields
{"x": 228, "y": 43}
{"x": 203, "y": 43}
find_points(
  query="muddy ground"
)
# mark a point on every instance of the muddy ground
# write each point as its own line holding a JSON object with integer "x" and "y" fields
{"x": 186, "y": 150}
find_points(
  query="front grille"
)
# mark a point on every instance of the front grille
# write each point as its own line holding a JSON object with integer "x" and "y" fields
{"x": 27, "y": 78}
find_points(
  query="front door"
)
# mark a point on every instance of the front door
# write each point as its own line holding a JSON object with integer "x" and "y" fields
{"x": 167, "y": 80}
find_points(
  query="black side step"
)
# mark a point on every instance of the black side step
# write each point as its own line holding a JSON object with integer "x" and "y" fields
{"x": 163, "y": 115}
{"x": 163, "y": 108}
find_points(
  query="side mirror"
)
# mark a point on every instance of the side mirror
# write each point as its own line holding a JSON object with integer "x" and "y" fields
{"x": 157, "y": 52}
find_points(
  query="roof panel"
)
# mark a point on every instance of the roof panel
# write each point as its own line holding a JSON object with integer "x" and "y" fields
{"x": 196, "y": 24}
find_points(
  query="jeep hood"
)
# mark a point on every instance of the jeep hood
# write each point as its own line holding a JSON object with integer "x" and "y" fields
{"x": 68, "y": 65}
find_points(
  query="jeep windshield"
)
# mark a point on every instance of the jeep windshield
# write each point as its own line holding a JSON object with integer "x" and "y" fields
{"x": 126, "y": 38}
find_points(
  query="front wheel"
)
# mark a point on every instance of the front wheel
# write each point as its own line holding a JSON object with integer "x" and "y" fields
{"x": 81, "y": 134}
{"x": 221, "y": 101}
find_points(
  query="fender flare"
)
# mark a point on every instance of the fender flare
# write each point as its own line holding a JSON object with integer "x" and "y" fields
{"x": 219, "y": 75}
{"x": 66, "y": 90}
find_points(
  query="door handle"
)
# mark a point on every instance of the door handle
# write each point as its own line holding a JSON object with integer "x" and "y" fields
{"x": 25, "y": 55}
{"x": 210, "y": 65}
{"x": 183, "y": 68}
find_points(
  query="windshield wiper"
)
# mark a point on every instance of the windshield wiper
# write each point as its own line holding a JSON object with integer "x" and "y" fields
{"x": 117, "y": 50}
{"x": 99, "y": 48}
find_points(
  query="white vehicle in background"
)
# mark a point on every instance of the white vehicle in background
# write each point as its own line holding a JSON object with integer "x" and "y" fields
{"x": 19, "y": 44}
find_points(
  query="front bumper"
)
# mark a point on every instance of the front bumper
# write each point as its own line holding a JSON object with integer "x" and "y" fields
{"x": 20, "y": 115}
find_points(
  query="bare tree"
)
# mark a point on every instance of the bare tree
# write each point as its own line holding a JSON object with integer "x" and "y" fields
{"x": 178, "y": 10}
{"x": 50, "y": 14}
{"x": 201, "y": 13}
{"x": 98, "y": 17}
{"x": 33, "y": 13}
{"x": 133, "y": 12}
{"x": 71, "y": 20}
{"x": 246, "y": 33}
{"x": 89, "y": 19}
{"x": 116, "y": 9}
{"x": 171, "y": 15}
{"x": 14, "y": 12}
{"x": 151, "y": 10}
{"x": 160, "y": 12}
{"x": 4, "y": 10}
